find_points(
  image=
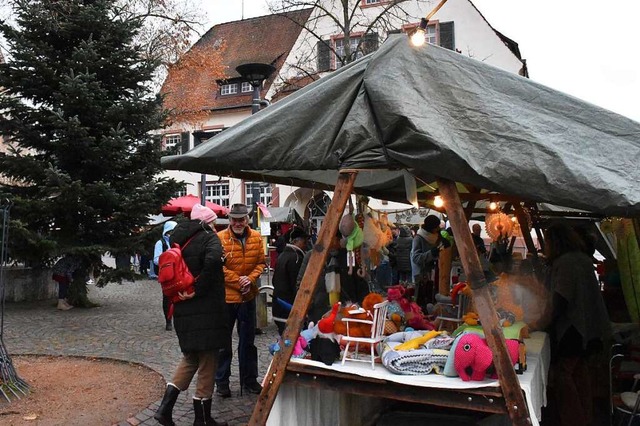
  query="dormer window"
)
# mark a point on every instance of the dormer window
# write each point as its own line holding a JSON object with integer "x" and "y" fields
{"x": 229, "y": 89}
{"x": 246, "y": 87}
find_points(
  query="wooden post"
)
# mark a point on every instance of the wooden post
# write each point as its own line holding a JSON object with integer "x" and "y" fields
{"x": 526, "y": 234}
{"x": 516, "y": 405}
{"x": 315, "y": 267}
{"x": 636, "y": 227}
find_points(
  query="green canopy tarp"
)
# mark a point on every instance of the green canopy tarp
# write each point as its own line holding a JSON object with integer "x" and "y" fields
{"x": 429, "y": 112}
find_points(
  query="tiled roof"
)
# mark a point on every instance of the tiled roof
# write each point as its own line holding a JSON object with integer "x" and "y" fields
{"x": 264, "y": 39}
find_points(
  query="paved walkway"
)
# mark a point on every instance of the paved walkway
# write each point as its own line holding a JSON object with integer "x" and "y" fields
{"x": 127, "y": 326}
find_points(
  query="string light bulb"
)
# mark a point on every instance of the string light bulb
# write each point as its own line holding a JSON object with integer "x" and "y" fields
{"x": 438, "y": 201}
{"x": 419, "y": 35}
{"x": 493, "y": 205}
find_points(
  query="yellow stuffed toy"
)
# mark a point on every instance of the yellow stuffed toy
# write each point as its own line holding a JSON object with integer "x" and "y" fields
{"x": 417, "y": 342}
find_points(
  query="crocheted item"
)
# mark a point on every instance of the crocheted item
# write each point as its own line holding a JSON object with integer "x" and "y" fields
{"x": 414, "y": 362}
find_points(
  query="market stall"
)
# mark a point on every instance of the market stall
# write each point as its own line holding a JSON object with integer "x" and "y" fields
{"x": 405, "y": 117}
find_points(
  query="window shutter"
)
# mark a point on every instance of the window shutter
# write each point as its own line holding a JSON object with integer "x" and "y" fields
{"x": 324, "y": 55}
{"x": 447, "y": 38}
{"x": 184, "y": 145}
{"x": 370, "y": 43}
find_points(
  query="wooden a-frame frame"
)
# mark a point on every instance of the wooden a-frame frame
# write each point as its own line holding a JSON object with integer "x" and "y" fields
{"x": 513, "y": 396}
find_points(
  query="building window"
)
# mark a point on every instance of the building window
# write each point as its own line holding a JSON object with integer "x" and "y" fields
{"x": 246, "y": 87}
{"x": 229, "y": 89}
{"x": 359, "y": 46}
{"x": 218, "y": 193}
{"x": 265, "y": 192}
{"x": 170, "y": 141}
{"x": 368, "y": 2}
{"x": 181, "y": 192}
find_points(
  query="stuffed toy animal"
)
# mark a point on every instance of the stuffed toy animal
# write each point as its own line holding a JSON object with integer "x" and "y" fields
{"x": 471, "y": 318}
{"x": 352, "y": 238}
{"x": 325, "y": 325}
{"x": 413, "y": 315}
{"x": 417, "y": 342}
{"x": 473, "y": 357}
{"x": 298, "y": 349}
{"x": 325, "y": 348}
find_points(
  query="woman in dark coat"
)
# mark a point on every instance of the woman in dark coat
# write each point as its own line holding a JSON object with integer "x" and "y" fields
{"x": 580, "y": 323}
{"x": 403, "y": 254}
{"x": 200, "y": 318}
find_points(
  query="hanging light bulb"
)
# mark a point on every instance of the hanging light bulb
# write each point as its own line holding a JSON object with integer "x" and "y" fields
{"x": 438, "y": 201}
{"x": 418, "y": 38}
{"x": 493, "y": 205}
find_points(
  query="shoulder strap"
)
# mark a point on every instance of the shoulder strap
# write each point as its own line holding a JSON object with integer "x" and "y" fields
{"x": 188, "y": 241}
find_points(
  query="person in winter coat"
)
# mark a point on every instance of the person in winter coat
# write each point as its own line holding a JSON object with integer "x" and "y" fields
{"x": 161, "y": 246}
{"x": 286, "y": 273}
{"x": 200, "y": 317}
{"x": 425, "y": 250}
{"x": 244, "y": 263}
{"x": 580, "y": 323}
{"x": 403, "y": 254}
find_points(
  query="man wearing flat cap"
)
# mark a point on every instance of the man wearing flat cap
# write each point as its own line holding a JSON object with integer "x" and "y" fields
{"x": 244, "y": 263}
{"x": 285, "y": 274}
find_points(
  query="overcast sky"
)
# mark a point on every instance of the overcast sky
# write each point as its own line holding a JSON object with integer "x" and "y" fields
{"x": 586, "y": 48}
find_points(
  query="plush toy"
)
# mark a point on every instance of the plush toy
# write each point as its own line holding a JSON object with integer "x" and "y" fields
{"x": 298, "y": 349}
{"x": 471, "y": 318}
{"x": 413, "y": 315}
{"x": 473, "y": 357}
{"x": 352, "y": 238}
{"x": 325, "y": 325}
{"x": 305, "y": 338}
{"x": 417, "y": 342}
{"x": 325, "y": 348}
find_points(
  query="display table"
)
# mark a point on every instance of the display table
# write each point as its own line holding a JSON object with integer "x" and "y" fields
{"x": 340, "y": 394}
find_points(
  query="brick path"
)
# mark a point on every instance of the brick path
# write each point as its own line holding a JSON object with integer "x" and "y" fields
{"x": 127, "y": 326}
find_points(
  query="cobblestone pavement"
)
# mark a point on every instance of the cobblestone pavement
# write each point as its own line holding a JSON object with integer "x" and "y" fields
{"x": 127, "y": 326}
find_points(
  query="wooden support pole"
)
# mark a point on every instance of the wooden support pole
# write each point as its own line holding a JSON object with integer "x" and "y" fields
{"x": 525, "y": 227}
{"x": 509, "y": 383}
{"x": 636, "y": 228}
{"x": 315, "y": 267}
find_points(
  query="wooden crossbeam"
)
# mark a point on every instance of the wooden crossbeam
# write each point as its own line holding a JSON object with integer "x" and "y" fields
{"x": 315, "y": 267}
{"x": 509, "y": 383}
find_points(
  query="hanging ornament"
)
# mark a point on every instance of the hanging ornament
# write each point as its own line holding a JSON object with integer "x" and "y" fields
{"x": 498, "y": 226}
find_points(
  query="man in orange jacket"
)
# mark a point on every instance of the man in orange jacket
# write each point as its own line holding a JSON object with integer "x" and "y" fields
{"x": 244, "y": 263}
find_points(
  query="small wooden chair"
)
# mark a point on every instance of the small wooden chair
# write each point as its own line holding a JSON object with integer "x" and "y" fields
{"x": 377, "y": 334}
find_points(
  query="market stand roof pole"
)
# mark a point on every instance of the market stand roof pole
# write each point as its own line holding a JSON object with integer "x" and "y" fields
{"x": 315, "y": 267}
{"x": 516, "y": 405}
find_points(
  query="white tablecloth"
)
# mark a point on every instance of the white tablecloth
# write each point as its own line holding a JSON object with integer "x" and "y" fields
{"x": 533, "y": 382}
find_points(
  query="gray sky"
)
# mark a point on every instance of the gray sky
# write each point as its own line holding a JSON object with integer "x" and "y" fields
{"x": 585, "y": 48}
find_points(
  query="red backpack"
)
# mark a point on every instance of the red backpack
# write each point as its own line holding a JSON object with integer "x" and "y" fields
{"x": 173, "y": 274}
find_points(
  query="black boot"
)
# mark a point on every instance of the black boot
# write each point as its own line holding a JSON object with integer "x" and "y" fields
{"x": 202, "y": 411}
{"x": 163, "y": 415}
{"x": 168, "y": 326}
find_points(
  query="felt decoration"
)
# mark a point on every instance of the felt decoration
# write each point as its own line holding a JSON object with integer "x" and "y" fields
{"x": 471, "y": 318}
{"x": 417, "y": 342}
{"x": 325, "y": 325}
{"x": 473, "y": 357}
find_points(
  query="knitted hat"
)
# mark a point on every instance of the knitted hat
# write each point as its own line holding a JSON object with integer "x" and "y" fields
{"x": 431, "y": 222}
{"x": 203, "y": 214}
{"x": 296, "y": 233}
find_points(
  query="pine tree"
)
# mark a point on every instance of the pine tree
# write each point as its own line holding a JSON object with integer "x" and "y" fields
{"x": 77, "y": 110}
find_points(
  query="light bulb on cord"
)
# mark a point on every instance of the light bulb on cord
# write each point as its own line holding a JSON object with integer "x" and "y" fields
{"x": 418, "y": 38}
{"x": 438, "y": 201}
{"x": 493, "y": 205}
